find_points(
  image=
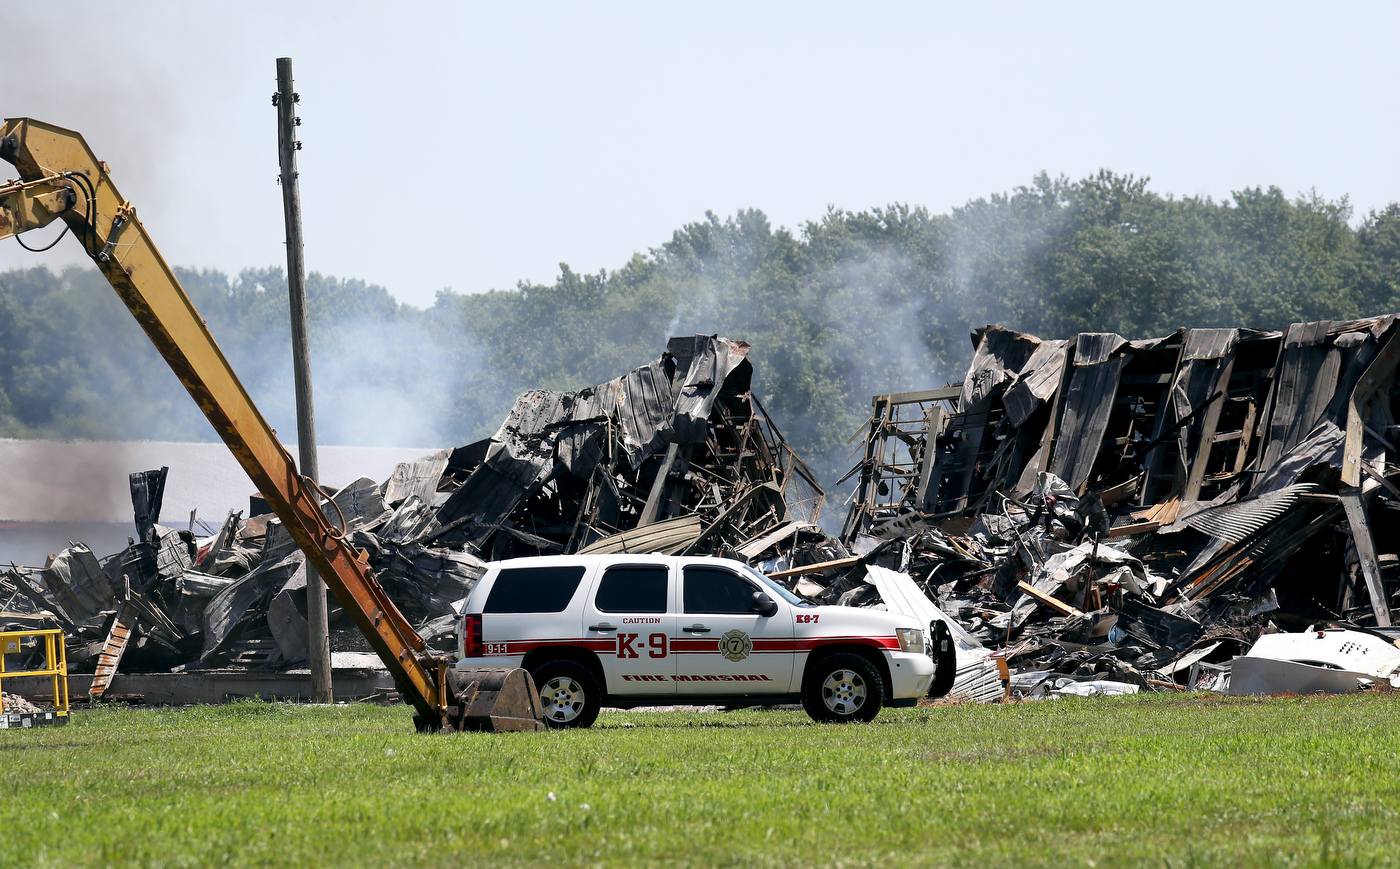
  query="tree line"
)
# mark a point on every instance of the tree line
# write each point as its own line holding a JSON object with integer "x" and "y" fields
{"x": 848, "y": 305}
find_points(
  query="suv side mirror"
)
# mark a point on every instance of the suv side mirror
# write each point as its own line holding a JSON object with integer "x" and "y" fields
{"x": 763, "y": 605}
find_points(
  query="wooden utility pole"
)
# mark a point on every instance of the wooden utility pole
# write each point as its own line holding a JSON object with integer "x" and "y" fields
{"x": 318, "y": 631}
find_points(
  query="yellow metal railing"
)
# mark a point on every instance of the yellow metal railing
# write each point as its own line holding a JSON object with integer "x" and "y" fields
{"x": 55, "y": 663}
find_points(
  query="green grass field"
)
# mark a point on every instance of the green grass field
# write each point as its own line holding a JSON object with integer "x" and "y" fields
{"x": 1180, "y": 781}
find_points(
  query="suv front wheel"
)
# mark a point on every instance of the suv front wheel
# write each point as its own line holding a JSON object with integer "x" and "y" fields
{"x": 843, "y": 687}
{"x": 569, "y": 693}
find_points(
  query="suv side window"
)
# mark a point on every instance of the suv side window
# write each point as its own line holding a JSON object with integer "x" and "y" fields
{"x": 633, "y": 588}
{"x": 715, "y": 590}
{"x": 533, "y": 590}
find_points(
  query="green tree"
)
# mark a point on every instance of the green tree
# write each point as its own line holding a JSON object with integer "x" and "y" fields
{"x": 848, "y": 305}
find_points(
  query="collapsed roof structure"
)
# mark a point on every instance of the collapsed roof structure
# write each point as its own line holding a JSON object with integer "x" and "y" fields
{"x": 1083, "y": 509}
{"x": 681, "y": 447}
{"x": 1096, "y": 504}
{"x": 675, "y": 456}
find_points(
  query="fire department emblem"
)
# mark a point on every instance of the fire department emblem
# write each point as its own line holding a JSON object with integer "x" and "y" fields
{"x": 735, "y": 645}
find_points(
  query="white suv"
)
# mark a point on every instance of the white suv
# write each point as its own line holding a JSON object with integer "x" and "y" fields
{"x": 652, "y": 630}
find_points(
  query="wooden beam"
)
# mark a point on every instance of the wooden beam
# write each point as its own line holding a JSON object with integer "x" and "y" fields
{"x": 1378, "y": 475}
{"x": 1135, "y": 528}
{"x": 1206, "y": 441}
{"x": 1152, "y": 462}
{"x": 1366, "y": 552}
{"x": 1246, "y": 436}
{"x": 816, "y": 568}
{"x": 1055, "y": 604}
{"x": 653, "y": 506}
{"x": 945, "y": 394}
{"x": 928, "y": 500}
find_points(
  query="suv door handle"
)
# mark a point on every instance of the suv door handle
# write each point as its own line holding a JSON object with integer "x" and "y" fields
{"x": 603, "y": 627}
{"x": 696, "y": 629}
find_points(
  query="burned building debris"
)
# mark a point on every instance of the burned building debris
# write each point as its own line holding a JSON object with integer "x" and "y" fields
{"x": 1077, "y": 516}
{"x": 675, "y": 456}
{"x": 1139, "y": 511}
{"x": 681, "y": 446}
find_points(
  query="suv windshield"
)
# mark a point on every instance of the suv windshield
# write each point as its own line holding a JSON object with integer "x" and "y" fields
{"x": 777, "y": 589}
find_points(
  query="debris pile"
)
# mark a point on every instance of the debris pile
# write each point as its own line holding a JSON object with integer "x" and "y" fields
{"x": 1088, "y": 515}
{"x": 236, "y": 599}
{"x": 1137, "y": 512}
{"x": 676, "y": 456}
{"x": 13, "y": 703}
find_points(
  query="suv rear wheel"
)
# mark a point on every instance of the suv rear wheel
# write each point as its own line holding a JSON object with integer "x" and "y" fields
{"x": 569, "y": 693}
{"x": 843, "y": 687}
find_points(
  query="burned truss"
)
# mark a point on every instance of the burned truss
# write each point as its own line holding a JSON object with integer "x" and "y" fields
{"x": 1098, "y": 506}
{"x": 676, "y": 456}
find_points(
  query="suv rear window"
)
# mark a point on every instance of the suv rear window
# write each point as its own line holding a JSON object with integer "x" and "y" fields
{"x": 533, "y": 589}
{"x": 633, "y": 588}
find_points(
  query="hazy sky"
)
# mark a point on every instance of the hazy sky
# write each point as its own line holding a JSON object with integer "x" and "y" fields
{"x": 474, "y": 145}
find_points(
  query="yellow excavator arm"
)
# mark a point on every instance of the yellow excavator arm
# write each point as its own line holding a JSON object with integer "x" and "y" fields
{"x": 60, "y": 178}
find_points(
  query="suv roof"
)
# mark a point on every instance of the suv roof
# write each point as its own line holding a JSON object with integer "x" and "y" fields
{"x": 609, "y": 559}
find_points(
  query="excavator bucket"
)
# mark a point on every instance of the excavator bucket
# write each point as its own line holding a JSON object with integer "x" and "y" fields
{"x": 492, "y": 700}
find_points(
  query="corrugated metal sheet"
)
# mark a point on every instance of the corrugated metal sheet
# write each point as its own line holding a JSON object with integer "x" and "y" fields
{"x": 1307, "y": 334}
{"x": 670, "y": 535}
{"x": 419, "y": 477}
{"x": 1145, "y": 344}
{"x": 714, "y": 361}
{"x": 754, "y": 548}
{"x": 1037, "y": 381}
{"x": 1209, "y": 343}
{"x": 1095, "y": 348}
{"x": 642, "y": 402}
{"x": 1000, "y": 353}
{"x": 1087, "y": 410}
{"x": 1237, "y": 521}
